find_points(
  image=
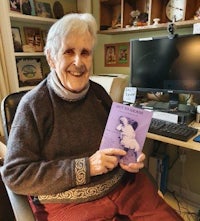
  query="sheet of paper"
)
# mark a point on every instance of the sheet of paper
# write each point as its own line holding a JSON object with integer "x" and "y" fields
{"x": 165, "y": 116}
{"x": 130, "y": 94}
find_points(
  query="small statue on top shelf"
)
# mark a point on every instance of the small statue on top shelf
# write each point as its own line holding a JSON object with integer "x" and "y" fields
{"x": 135, "y": 14}
{"x": 197, "y": 14}
{"x": 156, "y": 21}
{"x": 139, "y": 18}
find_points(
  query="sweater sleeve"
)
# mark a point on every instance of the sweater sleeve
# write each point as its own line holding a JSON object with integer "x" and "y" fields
{"x": 26, "y": 170}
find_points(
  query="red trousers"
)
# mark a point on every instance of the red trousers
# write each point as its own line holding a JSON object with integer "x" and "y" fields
{"x": 134, "y": 199}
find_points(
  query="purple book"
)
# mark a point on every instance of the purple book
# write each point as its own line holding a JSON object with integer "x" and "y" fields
{"x": 126, "y": 128}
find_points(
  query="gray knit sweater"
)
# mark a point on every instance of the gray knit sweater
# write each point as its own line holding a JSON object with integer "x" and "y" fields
{"x": 50, "y": 142}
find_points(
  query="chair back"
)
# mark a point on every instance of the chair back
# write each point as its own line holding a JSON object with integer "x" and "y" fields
{"x": 8, "y": 108}
{"x": 19, "y": 203}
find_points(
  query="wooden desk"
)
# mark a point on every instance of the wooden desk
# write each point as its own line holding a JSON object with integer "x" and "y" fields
{"x": 190, "y": 144}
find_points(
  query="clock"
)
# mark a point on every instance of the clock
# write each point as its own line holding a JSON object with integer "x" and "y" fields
{"x": 175, "y": 10}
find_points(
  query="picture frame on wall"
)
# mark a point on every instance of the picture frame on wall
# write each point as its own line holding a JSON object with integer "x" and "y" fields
{"x": 123, "y": 54}
{"x": 17, "y": 41}
{"x": 29, "y": 71}
{"x": 117, "y": 54}
{"x": 43, "y": 9}
{"x": 33, "y": 38}
{"x": 15, "y": 5}
{"x": 28, "y": 7}
{"x": 110, "y": 55}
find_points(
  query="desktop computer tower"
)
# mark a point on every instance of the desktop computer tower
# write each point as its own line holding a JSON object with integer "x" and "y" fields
{"x": 158, "y": 167}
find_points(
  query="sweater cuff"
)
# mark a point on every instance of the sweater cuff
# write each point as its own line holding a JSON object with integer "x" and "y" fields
{"x": 81, "y": 171}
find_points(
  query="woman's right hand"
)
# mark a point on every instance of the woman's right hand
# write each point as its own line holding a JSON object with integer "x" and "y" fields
{"x": 104, "y": 160}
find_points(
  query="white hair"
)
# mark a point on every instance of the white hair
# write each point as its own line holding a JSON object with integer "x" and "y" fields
{"x": 68, "y": 24}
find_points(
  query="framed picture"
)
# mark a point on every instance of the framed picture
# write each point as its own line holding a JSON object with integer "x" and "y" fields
{"x": 123, "y": 54}
{"x": 28, "y": 7}
{"x": 110, "y": 55}
{"x": 117, "y": 55}
{"x": 33, "y": 38}
{"x": 17, "y": 42}
{"x": 29, "y": 71}
{"x": 15, "y": 5}
{"x": 43, "y": 9}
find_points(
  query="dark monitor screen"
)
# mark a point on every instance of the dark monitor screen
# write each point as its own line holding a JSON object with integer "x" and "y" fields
{"x": 166, "y": 65}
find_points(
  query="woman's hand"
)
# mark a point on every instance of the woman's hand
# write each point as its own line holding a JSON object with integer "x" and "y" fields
{"x": 134, "y": 167}
{"x": 104, "y": 160}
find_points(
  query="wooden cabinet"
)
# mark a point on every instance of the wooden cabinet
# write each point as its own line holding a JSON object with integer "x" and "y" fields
{"x": 115, "y": 15}
{"x": 11, "y": 19}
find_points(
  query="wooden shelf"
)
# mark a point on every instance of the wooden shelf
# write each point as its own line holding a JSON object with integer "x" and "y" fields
{"x": 27, "y": 54}
{"x": 181, "y": 24}
{"x": 25, "y": 88}
{"x": 14, "y": 16}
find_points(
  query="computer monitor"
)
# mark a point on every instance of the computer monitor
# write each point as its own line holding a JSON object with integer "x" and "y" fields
{"x": 169, "y": 65}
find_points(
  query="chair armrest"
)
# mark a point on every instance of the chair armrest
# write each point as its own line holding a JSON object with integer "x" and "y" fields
{"x": 20, "y": 206}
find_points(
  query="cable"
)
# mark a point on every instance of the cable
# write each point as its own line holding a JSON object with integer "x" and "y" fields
{"x": 176, "y": 158}
{"x": 190, "y": 95}
{"x": 158, "y": 96}
{"x": 183, "y": 210}
{"x": 156, "y": 146}
{"x": 177, "y": 201}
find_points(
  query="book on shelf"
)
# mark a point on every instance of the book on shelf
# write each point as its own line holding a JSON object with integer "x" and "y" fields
{"x": 126, "y": 129}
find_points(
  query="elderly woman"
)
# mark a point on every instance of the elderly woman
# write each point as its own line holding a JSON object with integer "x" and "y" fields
{"x": 53, "y": 149}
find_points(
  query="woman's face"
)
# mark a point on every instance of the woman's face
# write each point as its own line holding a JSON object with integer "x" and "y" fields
{"x": 74, "y": 61}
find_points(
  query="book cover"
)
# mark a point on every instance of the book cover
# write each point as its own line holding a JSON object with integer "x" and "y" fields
{"x": 126, "y": 128}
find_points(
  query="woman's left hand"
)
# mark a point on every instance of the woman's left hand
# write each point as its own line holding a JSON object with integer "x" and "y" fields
{"x": 134, "y": 167}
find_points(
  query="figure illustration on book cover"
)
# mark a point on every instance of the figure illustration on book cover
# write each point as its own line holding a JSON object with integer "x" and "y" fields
{"x": 127, "y": 137}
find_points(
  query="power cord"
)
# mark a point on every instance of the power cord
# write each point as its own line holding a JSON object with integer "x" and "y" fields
{"x": 176, "y": 158}
{"x": 183, "y": 210}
